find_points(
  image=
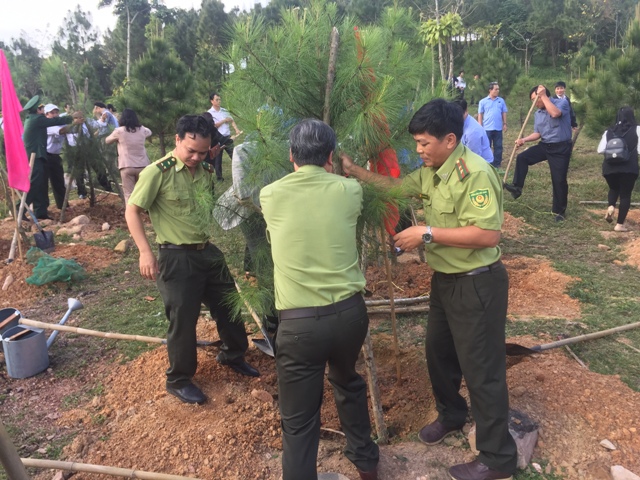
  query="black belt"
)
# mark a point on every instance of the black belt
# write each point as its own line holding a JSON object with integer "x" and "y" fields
{"x": 475, "y": 271}
{"x": 188, "y": 246}
{"x": 307, "y": 312}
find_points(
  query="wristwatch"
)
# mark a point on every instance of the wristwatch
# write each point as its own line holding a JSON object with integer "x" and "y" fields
{"x": 427, "y": 237}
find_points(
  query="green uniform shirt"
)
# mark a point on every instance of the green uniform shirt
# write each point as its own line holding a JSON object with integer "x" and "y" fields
{"x": 167, "y": 190}
{"x": 35, "y": 132}
{"x": 464, "y": 191}
{"x": 311, "y": 220}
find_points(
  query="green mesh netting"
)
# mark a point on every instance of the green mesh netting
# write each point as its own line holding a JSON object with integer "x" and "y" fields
{"x": 49, "y": 269}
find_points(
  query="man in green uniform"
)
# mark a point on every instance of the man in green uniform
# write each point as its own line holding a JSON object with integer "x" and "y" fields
{"x": 462, "y": 199}
{"x": 311, "y": 218}
{"x": 189, "y": 270}
{"x": 35, "y": 141}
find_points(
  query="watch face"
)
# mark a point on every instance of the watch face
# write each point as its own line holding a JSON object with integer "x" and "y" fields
{"x": 427, "y": 237}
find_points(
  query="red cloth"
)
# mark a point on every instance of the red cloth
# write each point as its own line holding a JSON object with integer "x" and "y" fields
{"x": 387, "y": 164}
{"x": 17, "y": 163}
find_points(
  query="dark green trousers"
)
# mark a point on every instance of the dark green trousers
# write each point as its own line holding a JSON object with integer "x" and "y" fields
{"x": 466, "y": 336}
{"x": 303, "y": 348}
{"x": 39, "y": 188}
{"x": 187, "y": 279}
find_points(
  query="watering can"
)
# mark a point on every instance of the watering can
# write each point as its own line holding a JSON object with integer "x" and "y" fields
{"x": 26, "y": 348}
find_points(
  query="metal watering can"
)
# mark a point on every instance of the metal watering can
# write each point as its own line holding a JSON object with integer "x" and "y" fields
{"x": 25, "y": 348}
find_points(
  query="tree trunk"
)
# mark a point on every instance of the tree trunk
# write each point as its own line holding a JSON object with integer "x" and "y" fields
{"x": 128, "y": 40}
{"x": 440, "y": 57}
{"x": 163, "y": 148}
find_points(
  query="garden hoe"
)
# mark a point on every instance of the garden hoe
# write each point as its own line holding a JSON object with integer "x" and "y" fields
{"x": 513, "y": 349}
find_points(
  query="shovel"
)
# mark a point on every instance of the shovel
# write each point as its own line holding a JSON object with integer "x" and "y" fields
{"x": 265, "y": 345}
{"x": 513, "y": 349}
{"x": 44, "y": 239}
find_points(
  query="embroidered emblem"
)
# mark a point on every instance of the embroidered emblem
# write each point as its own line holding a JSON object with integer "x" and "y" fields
{"x": 461, "y": 169}
{"x": 480, "y": 198}
{"x": 166, "y": 164}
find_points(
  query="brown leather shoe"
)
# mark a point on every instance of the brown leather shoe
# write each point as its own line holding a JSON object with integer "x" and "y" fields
{"x": 476, "y": 471}
{"x": 435, "y": 432}
{"x": 370, "y": 475}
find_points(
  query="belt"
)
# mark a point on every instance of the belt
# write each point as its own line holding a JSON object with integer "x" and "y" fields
{"x": 307, "y": 312}
{"x": 475, "y": 271}
{"x": 188, "y": 246}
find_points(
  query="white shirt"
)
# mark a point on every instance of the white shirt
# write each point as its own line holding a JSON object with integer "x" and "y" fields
{"x": 55, "y": 141}
{"x": 603, "y": 141}
{"x": 219, "y": 115}
{"x": 461, "y": 83}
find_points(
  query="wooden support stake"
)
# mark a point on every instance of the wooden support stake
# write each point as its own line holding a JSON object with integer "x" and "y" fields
{"x": 387, "y": 267}
{"x": 602, "y": 202}
{"x": 515, "y": 147}
{"x": 397, "y": 301}
{"x": 373, "y": 311}
{"x": 9, "y": 457}
{"x": 93, "y": 333}
{"x": 374, "y": 391}
{"x": 91, "y": 468}
{"x": 8, "y": 319}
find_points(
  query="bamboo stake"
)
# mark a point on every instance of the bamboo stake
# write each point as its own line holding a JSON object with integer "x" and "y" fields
{"x": 397, "y": 301}
{"x": 9, "y": 457}
{"x": 373, "y": 311}
{"x": 374, "y": 391}
{"x": 515, "y": 147}
{"x": 18, "y": 217}
{"x": 93, "y": 333}
{"x": 602, "y": 202}
{"x": 91, "y": 468}
{"x": 387, "y": 267}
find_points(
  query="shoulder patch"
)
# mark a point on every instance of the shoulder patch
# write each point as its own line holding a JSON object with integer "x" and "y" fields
{"x": 461, "y": 169}
{"x": 165, "y": 165}
{"x": 208, "y": 167}
{"x": 480, "y": 198}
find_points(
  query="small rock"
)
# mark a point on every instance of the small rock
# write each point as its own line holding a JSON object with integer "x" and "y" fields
{"x": 262, "y": 395}
{"x": 122, "y": 246}
{"x": 539, "y": 377}
{"x": 79, "y": 220}
{"x": 77, "y": 237}
{"x": 43, "y": 451}
{"x": 537, "y": 467}
{"x": 607, "y": 444}
{"x": 209, "y": 437}
{"x": 59, "y": 476}
{"x": 518, "y": 391}
{"x": 605, "y": 248}
{"x": 618, "y": 472}
{"x": 105, "y": 226}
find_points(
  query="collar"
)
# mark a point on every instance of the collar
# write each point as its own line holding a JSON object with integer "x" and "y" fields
{"x": 181, "y": 166}
{"x": 448, "y": 169}
{"x": 311, "y": 169}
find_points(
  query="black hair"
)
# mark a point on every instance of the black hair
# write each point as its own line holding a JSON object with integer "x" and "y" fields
{"x": 193, "y": 124}
{"x": 493, "y": 84}
{"x": 461, "y": 71}
{"x": 111, "y": 108}
{"x": 535, "y": 89}
{"x": 625, "y": 119}
{"x": 311, "y": 142}
{"x": 462, "y": 103}
{"x": 129, "y": 120}
{"x": 213, "y": 94}
{"x": 99, "y": 104}
{"x": 438, "y": 118}
{"x": 561, "y": 84}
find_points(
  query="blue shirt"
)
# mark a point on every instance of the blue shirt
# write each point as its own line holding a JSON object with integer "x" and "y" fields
{"x": 492, "y": 111}
{"x": 554, "y": 130}
{"x": 475, "y": 139}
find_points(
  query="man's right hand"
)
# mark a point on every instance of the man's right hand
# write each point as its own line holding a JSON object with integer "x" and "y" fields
{"x": 148, "y": 265}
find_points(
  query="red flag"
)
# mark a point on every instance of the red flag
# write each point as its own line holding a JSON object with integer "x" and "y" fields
{"x": 17, "y": 163}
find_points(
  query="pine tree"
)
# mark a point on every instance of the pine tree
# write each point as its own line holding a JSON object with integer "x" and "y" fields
{"x": 160, "y": 90}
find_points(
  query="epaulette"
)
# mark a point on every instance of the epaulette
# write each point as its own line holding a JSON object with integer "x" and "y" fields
{"x": 208, "y": 167}
{"x": 166, "y": 164}
{"x": 461, "y": 169}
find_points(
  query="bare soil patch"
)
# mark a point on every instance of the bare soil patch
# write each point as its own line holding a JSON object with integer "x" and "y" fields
{"x": 131, "y": 422}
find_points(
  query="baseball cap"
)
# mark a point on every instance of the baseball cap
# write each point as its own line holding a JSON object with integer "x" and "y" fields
{"x": 49, "y": 107}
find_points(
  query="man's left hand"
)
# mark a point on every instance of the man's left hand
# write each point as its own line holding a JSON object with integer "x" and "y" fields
{"x": 410, "y": 238}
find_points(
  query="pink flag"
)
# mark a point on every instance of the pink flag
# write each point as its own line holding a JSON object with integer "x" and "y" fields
{"x": 17, "y": 163}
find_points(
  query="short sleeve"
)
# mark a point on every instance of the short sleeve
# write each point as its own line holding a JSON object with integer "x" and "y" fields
{"x": 147, "y": 187}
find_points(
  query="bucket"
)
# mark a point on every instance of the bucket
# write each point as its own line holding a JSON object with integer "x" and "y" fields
{"x": 27, "y": 355}
{"x": 4, "y": 314}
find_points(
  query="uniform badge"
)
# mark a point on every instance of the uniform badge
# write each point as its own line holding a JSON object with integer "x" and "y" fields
{"x": 480, "y": 198}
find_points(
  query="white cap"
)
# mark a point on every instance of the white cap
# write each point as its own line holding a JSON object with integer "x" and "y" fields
{"x": 50, "y": 107}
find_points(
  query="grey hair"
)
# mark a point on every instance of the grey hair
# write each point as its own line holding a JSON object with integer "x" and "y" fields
{"x": 311, "y": 142}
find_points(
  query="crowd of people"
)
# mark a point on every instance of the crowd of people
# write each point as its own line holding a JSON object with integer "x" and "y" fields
{"x": 321, "y": 317}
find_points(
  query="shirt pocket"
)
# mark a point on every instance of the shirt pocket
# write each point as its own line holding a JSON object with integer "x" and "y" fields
{"x": 443, "y": 212}
{"x": 179, "y": 202}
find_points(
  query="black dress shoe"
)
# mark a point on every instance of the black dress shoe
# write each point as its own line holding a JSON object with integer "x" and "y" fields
{"x": 188, "y": 394}
{"x": 240, "y": 366}
{"x": 436, "y": 432}
{"x": 514, "y": 190}
{"x": 477, "y": 471}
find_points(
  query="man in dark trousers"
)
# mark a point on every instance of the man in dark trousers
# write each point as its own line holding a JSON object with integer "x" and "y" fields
{"x": 462, "y": 198}
{"x": 311, "y": 217}
{"x": 552, "y": 126}
{"x": 35, "y": 141}
{"x": 189, "y": 270}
